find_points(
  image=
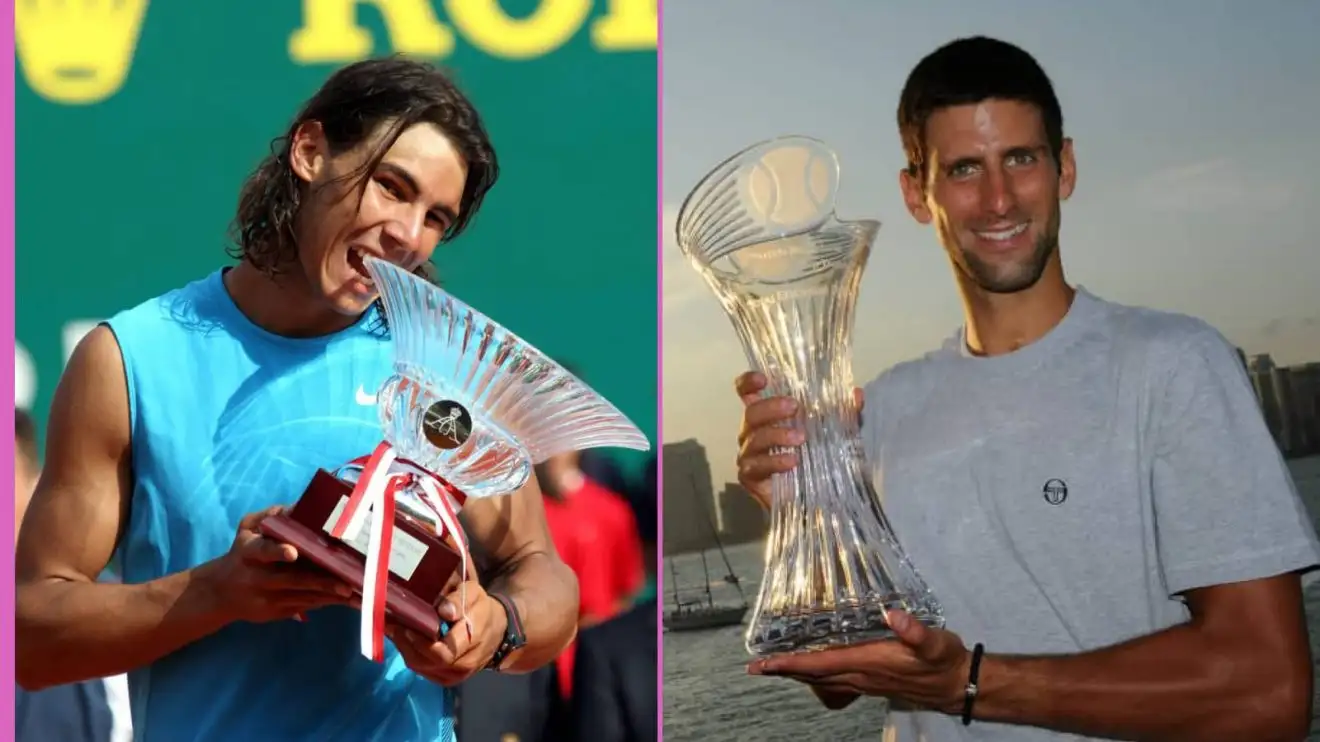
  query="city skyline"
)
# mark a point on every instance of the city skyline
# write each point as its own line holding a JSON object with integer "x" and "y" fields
{"x": 729, "y": 515}
{"x": 1189, "y": 197}
{"x": 1289, "y": 398}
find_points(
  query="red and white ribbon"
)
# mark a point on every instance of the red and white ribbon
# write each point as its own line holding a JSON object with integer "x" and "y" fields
{"x": 438, "y": 499}
{"x": 383, "y": 476}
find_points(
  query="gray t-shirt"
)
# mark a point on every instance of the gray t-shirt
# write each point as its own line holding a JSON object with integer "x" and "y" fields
{"x": 1058, "y": 498}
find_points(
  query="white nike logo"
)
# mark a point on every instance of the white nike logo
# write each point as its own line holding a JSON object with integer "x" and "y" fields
{"x": 363, "y": 398}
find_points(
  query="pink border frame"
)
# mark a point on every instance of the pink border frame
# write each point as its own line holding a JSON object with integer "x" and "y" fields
{"x": 7, "y": 85}
{"x": 659, "y": 373}
{"x": 7, "y": 375}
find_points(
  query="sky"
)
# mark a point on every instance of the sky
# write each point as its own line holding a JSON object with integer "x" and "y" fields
{"x": 1194, "y": 127}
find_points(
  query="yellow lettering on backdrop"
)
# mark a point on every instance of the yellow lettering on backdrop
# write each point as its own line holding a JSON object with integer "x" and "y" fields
{"x": 628, "y": 25}
{"x": 492, "y": 30}
{"x": 77, "y": 53}
{"x": 330, "y": 33}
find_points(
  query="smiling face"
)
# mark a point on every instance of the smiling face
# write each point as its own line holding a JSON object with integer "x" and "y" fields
{"x": 993, "y": 189}
{"x": 408, "y": 203}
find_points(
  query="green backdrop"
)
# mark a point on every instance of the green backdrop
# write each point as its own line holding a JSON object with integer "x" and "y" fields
{"x": 137, "y": 123}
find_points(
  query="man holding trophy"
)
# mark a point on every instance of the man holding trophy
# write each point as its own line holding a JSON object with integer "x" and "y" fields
{"x": 1110, "y": 535}
{"x": 188, "y": 430}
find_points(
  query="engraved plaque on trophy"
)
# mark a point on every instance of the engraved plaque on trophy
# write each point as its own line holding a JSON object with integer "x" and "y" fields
{"x": 420, "y": 561}
{"x": 761, "y": 230}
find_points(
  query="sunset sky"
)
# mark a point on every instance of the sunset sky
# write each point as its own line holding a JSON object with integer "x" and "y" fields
{"x": 1197, "y": 152}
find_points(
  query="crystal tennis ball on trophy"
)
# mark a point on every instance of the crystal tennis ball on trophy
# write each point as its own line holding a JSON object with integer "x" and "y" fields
{"x": 468, "y": 412}
{"x": 761, "y": 230}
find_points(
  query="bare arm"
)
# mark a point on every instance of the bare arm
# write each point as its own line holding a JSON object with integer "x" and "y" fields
{"x": 511, "y": 537}
{"x": 1240, "y": 669}
{"x": 68, "y": 626}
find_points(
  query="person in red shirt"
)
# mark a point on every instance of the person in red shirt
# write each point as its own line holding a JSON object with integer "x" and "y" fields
{"x": 595, "y": 533}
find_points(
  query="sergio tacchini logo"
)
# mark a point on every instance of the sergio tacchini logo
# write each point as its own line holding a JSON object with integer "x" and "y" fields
{"x": 1055, "y": 491}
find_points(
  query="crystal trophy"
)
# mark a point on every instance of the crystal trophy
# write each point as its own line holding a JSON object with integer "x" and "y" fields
{"x": 761, "y": 230}
{"x": 468, "y": 412}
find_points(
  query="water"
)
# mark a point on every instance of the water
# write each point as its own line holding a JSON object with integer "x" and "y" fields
{"x": 710, "y": 697}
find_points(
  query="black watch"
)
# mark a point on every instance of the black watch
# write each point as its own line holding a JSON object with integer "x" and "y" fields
{"x": 514, "y": 637}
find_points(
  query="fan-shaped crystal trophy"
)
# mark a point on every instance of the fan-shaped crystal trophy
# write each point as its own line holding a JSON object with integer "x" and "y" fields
{"x": 761, "y": 230}
{"x": 469, "y": 410}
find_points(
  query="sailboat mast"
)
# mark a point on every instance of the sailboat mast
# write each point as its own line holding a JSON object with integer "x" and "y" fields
{"x": 714, "y": 532}
{"x": 673, "y": 573}
{"x": 710, "y": 599}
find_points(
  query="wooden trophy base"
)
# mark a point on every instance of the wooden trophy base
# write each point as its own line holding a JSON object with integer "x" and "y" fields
{"x": 420, "y": 563}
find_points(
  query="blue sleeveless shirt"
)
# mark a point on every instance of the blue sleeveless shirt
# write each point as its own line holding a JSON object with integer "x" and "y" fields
{"x": 228, "y": 419}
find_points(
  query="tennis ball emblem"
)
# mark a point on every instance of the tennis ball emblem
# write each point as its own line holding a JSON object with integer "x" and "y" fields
{"x": 790, "y": 185}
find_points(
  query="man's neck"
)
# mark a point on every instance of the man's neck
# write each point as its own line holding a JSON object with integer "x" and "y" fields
{"x": 1002, "y": 323}
{"x": 282, "y": 305}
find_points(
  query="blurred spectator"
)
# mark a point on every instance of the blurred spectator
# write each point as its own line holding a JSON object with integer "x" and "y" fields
{"x": 603, "y": 495}
{"x": 600, "y": 468}
{"x": 613, "y": 684}
{"x": 590, "y": 514}
{"x": 595, "y": 532}
{"x": 642, "y": 502}
{"x": 507, "y": 707}
{"x": 614, "y": 678}
{"x": 92, "y": 711}
{"x": 499, "y": 707}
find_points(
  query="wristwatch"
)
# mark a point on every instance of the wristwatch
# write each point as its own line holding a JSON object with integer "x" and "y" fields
{"x": 514, "y": 637}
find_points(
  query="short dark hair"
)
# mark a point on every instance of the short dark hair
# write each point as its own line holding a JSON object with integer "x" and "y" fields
{"x": 25, "y": 436}
{"x": 351, "y": 106}
{"x": 967, "y": 71}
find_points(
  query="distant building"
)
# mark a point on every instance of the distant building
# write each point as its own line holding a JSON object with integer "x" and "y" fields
{"x": 1289, "y": 398}
{"x": 1303, "y": 416}
{"x": 689, "y": 503}
{"x": 742, "y": 519}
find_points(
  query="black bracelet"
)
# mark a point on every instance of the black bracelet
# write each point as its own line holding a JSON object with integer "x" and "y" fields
{"x": 514, "y": 638}
{"x": 969, "y": 693}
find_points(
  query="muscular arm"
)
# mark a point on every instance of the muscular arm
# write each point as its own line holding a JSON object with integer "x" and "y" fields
{"x": 1240, "y": 669}
{"x": 510, "y": 537}
{"x": 68, "y": 626}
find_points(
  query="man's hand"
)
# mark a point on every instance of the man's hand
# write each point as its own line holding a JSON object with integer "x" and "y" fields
{"x": 467, "y": 646}
{"x": 764, "y": 429}
{"x": 925, "y": 667}
{"x": 258, "y": 580}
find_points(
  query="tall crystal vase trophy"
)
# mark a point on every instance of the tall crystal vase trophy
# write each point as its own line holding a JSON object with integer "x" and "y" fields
{"x": 468, "y": 412}
{"x": 761, "y": 230}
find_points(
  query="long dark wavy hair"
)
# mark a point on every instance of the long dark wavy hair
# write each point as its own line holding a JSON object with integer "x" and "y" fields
{"x": 352, "y": 106}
